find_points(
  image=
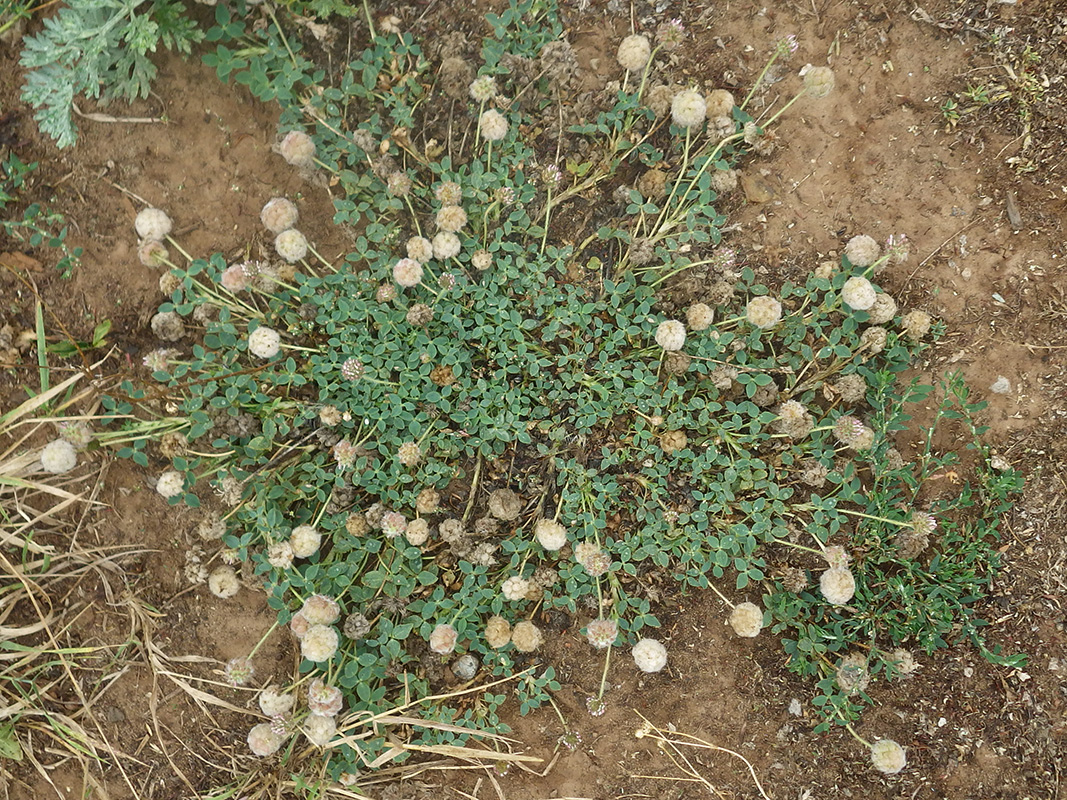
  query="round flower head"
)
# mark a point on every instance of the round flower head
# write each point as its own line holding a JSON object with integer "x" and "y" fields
{"x": 235, "y": 278}
{"x": 492, "y": 125}
{"x": 483, "y": 89}
{"x": 862, "y": 250}
{"x": 168, "y": 326}
{"x": 393, "y": 524}
{"x": 858, "y": 294}
{"x": 916, "y": 324}
{"x": 451, "y": 218}
{"x": 279, "y": 214}
{"x": 550, "y": 534}
{"x": 323, "y": 699}
{"x": 818, "y": 81}
{"x": 319, "y": 643}
{"x": 794, "y": 420}
{"x": 420, "y": 249}
{"x": 152, "y": 253}
{"x": 299, "y": 625}
{"x": 274, "y": 701}
{"x": 670, "y": 335}
{"x": 264, "y": 342}
{"x": 670, "y": 34}
{"x": 409, "y": 454}
{"x": 58, "y": 457}
{"x": 443, "y": 639}
{"x": 883, "y": 310}
{"x": 319, "y": 730}
{"x": 838, "y": 585}
{"x": 449, "y": 193}
{"x": 688, "y": 109}
{"x": 428, "y": 501}
{"x": 398, "y": 184}
{"x": 514, "y": 588}
{"x": 305, "y": 541}
{"x": 417, "y": 532}
{"x": 720, "y": 104}
{"x": 280, "y": 555}
{"x": 747, "y": 620}
{"x": 650, "y": 655}
{"x": 874, "y": 339}
{"x": 171, "y": 484}
{"x": 634, "y": 52}
{"x": 263, "y": 741}
{"x": 852, "y": 674}
{"x": 700, "y": 316}
{"x": 420, "y": 315}
{"x": 481, "y": 260}
{"x": 505, "y": 505}
{"x": 602, "y": 633}
{"x": 319, "y": 609}
{"x": 223, "y": 582}
{"x": 152, "y": 224}
{"x": 887, "y": 756}
{"x": 298, "y": 149}
{"x": 407, "y": 272}
{"x": 526, "y": 636}
{"x": 851, "y": 387}
{"x": 497, "y": 632}
{"x": 239, "y": 670}
{"x": 356, "y": 626}
{"x": 445, "y": 246}
{"x": 763, "y": 312}
{"x": 291, "y": 245}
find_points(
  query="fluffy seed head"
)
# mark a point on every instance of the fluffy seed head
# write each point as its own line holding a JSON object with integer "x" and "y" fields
{"x": 428, "y": 501}
{"x": 819, "y": 81}
{"x": 747, "y": 620}
{"x": 291, "y": 245}
{"x": 407, "y": 272}
{"x": 223, "y": 582}
{"x": 264, "y": 342}
{"x": 420, "y": 249}
{"x": 152, "y": 224}
{"x": 700, "y": 316}
{"x": 650, "y": 655}
{"x": 838, "y": 585}
{"x": 446, "y": 245}
{"x": 634, "y": 52}
{"x": 171, "y": 483}
{"x": 443, "y": 639}
{"x": 514, "y": 588}
{"x": 602, "y": 633}
{"x": 526, "y": 636}
{"x": 274, "y": 701}
{"x": 279, "y": 214}
{"x": 497, "y": 632}
{"x": 688, "y": 109}
{"x": 858, "y": 293}
{"x": 763, "y": 312}
{"x": 417, "y": 532}
{"x": 670, "y": 335}
{"x": 319, "y": 730}
{"x": 298, "y": 149}
{"x": 887, "y": 756}
{"x": 319, "y": 609}
{"x": 263, "y": 741}
{"x": 550, "y": 534}
{"x": 58, "y": 457}
{"x": 319, "y": 643}
{"x": 862, "y": 250}
{"x": 492, "y": 125}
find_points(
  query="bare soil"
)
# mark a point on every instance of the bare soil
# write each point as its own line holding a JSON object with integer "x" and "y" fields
{"x": 876, "y": 157}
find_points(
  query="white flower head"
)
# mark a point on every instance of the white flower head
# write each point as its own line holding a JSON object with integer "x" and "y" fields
{"x": 670, "y": 335}
{"x": 319, "y": 643}
{"x": 634, "y": 52}
{"x": 319, "y": 730}
{"x": 171, "y": 484}
{"x": 492, "y": 125}
{"x": 862, "y": 250}
{"x": 264, "y": 342}
{"x": 688, "y": 109}
{"x": 298, "y": 149}
{"x": 858, "y": 293}
{"x": 291, "y": 245}
{"x": 223, "y": 582}
{"x": 514, "y": 588}
{"x": 420, "y": 248}
{"x": 446, "y": 245}
{"x": 838, "y": 585}
{"x": 58, "y": 457}
{"x": 152, "y": 224}
{"x": 407, "y": 272}
{"x": 650, "y": 655}
{"x": 550, "y": 534}
{"x": 483, "y": 89}
{"x": 763, "y": 312}
{"x": 443, "y": 639}
{"x": 887, "y": 756}
{"x": 747, "y": 620}
{"x": 279, "y": 214}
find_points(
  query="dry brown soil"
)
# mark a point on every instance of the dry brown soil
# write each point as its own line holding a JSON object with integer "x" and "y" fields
{"x": 876, "y": 157}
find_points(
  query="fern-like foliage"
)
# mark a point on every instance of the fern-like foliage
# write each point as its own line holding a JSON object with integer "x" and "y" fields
{"x": 98, "y": 48}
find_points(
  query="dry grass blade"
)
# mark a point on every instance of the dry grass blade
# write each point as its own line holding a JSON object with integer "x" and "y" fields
{"x": 671, "y": 744}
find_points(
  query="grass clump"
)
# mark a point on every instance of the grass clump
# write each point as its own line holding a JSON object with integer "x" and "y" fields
{"x": 490, "y": 415}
